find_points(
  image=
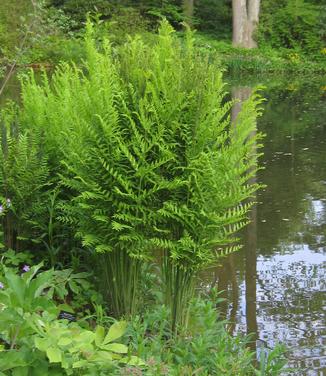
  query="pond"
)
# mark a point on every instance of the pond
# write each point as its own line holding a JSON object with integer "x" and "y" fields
{"x": 275, "y": 286}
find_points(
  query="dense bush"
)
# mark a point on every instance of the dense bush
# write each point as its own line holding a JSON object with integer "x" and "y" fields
{"x": 214, "y": 17}
{"x": 11, "y": 27}
{"x": 114, "y": 10}
{"x": 291, "y": 24}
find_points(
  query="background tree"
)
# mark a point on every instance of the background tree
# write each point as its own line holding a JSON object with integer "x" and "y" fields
{"x": 188, "y": 9}
{"x": 245, "y": 21}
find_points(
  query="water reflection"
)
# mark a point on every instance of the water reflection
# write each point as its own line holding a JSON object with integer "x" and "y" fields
{"x": 275, "y": 287}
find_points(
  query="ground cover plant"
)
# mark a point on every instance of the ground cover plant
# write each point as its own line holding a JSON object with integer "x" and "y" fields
{"x": 36, "y": 339}
{"x": 129, "y": 160}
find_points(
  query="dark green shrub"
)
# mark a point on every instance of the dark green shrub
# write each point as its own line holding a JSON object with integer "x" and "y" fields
{"x": 77, "y": 10}
{"x": 214, "y": 17}
{"x": 290, "y": 24}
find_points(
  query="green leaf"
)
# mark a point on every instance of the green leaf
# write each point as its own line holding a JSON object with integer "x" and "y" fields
{"x": 66, "y": 307}
{"x": 80, "y": 364}
{"x": 99, "y": 335}
{"x": 54, "y": 355}
{"x": 101, "y": 356}
{"x": 65, "y": 341}
{"x": 133, "y": 361}
{"x": 42, "y": 344}
{"x": 115, "y": 331}
{"x": 86, "y": 337}
{"x": 116, "y": 347}
{"x": 21, "y": 371}
{"x": 17, "y": 285}
{"x": 40, "y": 368}
{"x": 11, "y": 359}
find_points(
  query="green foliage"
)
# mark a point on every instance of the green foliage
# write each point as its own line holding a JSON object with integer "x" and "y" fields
{"x": 30, "y": 195}
{"x": 78, "y": 9}
{"x": 169, "y": 10}
{"x": 37, "y": 33}
{"x": 204, "y": 348}
{"x": 10, "y": 31}
{"x": 36, "y": 342}
{"x": 125, "y": 21}
{"x": 291, "y": 24}
{"x": 214, "y": 17}
{"x": 151, "y": 169}
{"x": 125, "y": 10}
{"x": 261, "y": 60}
{"x": 179, "y": 98}
{"x": 271, "y": 362}
{"x": 33, "y": 341}
{"x": 150, "y": 154}
{"x": 78, "y": 349}
{"x": 24, "y": 178}
{"x": 13, "y": 259}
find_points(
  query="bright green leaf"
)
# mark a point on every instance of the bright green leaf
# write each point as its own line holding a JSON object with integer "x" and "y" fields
{"x": 116, "y": 347}
{"x": 85, "y": 337}
{"x": 42, "y": 343}
{"x": 54, "y": 355}
{"x": 99, "y": 335}
{"x": 80, "y": 364}
{"x": 65, "y": 341}
{"x": 115, "y": 331}
{"x": 133, "y": 361}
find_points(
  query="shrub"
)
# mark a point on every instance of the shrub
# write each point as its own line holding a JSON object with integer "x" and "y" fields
{"x": 291, "y": 24}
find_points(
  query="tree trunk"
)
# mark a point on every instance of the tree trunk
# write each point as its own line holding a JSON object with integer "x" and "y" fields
{"x": 253, "y": 19}
{"x": 188, "y": 10}
{"x": 245, "y": 21}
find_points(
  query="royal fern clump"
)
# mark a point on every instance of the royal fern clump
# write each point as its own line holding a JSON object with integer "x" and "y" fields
{"x": 151, "y": 158}
{"x": 24, "y": 178}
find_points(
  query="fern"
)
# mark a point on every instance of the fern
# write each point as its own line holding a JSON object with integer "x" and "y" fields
{"x": 24, "y": 177}
{"x": 144, "y": 136}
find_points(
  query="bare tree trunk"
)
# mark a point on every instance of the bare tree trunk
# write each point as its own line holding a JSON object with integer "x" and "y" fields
{"x": 188, "y": 10}
{"x": 245, "y": 21}
{"x": 239, "y": 10}
{"x": 253, "y": 19}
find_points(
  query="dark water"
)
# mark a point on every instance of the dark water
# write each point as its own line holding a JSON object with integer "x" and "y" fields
{"x": 275, "y": 286}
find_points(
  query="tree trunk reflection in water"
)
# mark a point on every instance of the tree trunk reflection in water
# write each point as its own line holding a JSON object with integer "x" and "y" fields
{"x": 227, "y": 276}
{"x": 251, "y": 272}
{"x": 240, "y": 94}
